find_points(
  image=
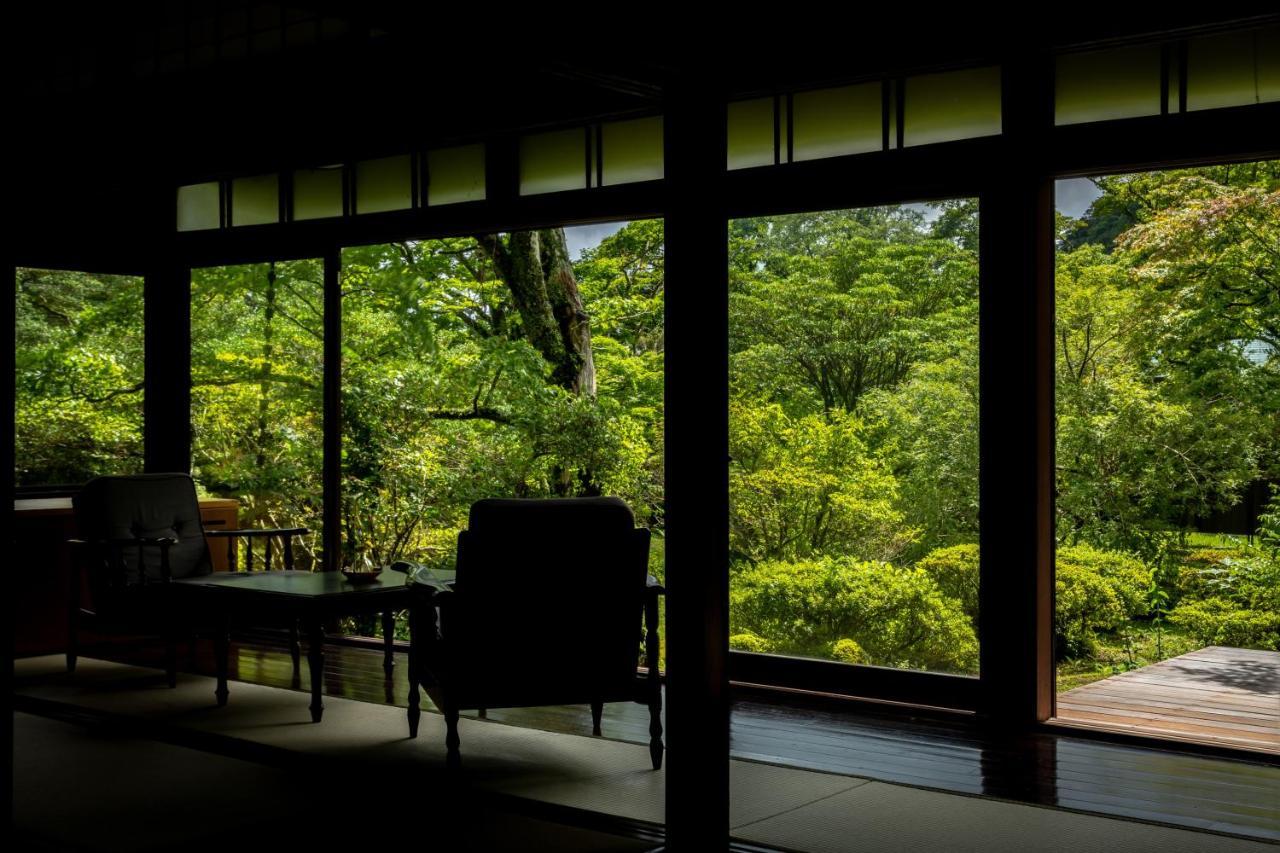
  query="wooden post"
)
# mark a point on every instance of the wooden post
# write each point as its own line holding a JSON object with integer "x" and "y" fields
{"x": 1016, "y": 413}
{"x": 697, "y": 487}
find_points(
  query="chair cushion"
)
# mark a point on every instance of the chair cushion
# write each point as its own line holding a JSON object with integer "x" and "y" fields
{"x": 146, "y": 505}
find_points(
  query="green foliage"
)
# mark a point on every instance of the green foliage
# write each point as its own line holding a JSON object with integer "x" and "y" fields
{"x": 836, "y": 606}
{"x": 955, "y": 570}
{"x": 77, "y": 376}
{"x": 1095, "y": 591}
{"x": 1222, "y": 622}
{"x": 807, "y": 486}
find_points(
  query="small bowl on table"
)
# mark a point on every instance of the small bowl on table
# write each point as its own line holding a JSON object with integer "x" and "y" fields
{"x": 362, "y": 576}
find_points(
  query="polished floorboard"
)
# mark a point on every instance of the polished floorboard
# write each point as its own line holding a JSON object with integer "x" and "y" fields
{"x": 1217, "y": 695}
{"x": 940, "y": 752}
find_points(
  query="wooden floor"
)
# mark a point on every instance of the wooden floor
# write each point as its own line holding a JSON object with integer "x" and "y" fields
{"x": 946, "y": 752}
{"x": 1216, "y": 695}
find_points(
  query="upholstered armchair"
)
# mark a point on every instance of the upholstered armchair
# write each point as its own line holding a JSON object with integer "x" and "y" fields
{"x": 552, "y": 605}
{"x": 136, "y": 534}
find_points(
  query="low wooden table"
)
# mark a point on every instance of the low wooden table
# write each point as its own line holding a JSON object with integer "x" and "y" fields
{"x": 313, "y": 598}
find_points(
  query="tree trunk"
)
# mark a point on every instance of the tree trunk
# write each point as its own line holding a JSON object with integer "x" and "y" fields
{"x": 536, "y": 268}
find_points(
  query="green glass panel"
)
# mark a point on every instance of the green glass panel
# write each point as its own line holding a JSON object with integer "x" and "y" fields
{"x": 317, "y": 193}
{"x": 750, "y": 133}
{"x": 255, "y": 201}
{"x": 1228, "y": 70}
{"x": 952, "y": 105}
{"x": 1269, "y": 64}
{"x": 198, "y": 206}
{"x": 455, "y": 175}
{"x": 1107, "y": 84}
{"x": 632, "y": 151}
{"x": 832, "y": 122}
{"x": 553, "y": 162}
{"x": 384, "y": 184}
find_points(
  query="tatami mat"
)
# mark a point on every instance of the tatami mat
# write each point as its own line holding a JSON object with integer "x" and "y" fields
{"x": 780, "y": 806}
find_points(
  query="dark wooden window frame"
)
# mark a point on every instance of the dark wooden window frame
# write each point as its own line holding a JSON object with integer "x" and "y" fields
{"x": 1012, "y": 176}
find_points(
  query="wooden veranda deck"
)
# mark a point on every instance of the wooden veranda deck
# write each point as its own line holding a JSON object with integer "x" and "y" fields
{"x": 1218, "y": 695}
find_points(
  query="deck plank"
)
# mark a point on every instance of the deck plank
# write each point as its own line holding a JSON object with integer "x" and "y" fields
{"x": 1216, "y": 695}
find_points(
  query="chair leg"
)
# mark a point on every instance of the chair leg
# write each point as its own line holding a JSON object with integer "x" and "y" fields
{"x": 388, "y": 643}
{"x": 656, "y": 747}
{"x": 454, "y": 758}
{"x": 597, "y": 710}
{"x": 221, "y": 651}
{"x": 482, "y": 713}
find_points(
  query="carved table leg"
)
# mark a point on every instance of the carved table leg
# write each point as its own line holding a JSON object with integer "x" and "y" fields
{"x": 388, "y": 642}
{"x": 597, "y": 710}
{"x": 221, "y": 647}
{"x": 295, "y": 649}
{"x": 315, "y": 657}
{"x": 415, "y": 637}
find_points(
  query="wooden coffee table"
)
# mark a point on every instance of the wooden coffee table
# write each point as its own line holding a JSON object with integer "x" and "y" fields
{"x": 313, "y": 598}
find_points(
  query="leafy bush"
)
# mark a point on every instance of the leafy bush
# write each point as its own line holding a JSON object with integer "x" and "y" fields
{"x": 955, "y": 571}
{"x": 1096, "y": 591}
{"x": 1222, "y": 622}
{"x": 847, "y": 609}
{"x": 750, "y": 642}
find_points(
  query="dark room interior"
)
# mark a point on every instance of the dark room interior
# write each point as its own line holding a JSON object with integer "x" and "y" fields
{"x": 342, "y": 359}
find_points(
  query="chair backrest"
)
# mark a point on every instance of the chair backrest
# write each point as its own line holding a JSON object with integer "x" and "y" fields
{"x": 146, "y": 505}
{"x": 550, "y": 594}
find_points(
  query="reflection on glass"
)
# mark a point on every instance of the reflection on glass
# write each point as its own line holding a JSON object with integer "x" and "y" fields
{"x": 1107, "y": 84}
{"x": 317, "y": 193}
{"x": 1231, "y": 69}
{"x": 455, "y": 174}
{"x": 751, "y": 133}
{"x": 953, "y": 105}
{"x": 255, "y": 201}
{"x": 384, "y": 184}
{"x": 832, "y": 122}
{"x": 553, "y": 162}
{"x": 199, "y": 207}
{"x": 632, "y": 151}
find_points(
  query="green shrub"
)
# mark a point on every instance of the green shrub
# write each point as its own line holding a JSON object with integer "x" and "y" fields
{"x": 837, "y": 607}
{"x": 955, "y": 571}
{"x": 848, "y": 651}
{"x": 750, "y": 642}
{"x": 1095, "y": 591}
{"x": 1221, "y": 622}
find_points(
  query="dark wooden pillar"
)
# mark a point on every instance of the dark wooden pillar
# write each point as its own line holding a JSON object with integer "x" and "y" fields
{"x": 331, "y": 511}
{"x": 697, "y": 482}
{"x": 9, "y": 605}
{"x": 1016, "y": 418}
{"x": 166, "y": 404}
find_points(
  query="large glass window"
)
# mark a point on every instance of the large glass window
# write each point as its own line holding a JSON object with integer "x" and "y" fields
{"x": 853, "y": 433}
{"x": 507, "y": 365}
{"x": 257, "y": 376}
{"x": 1168, "y": 453}
{"x": 78, "y": 371}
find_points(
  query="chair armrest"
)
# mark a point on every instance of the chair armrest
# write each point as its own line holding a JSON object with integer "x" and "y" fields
{"x": 285, "y": 535}
{"x": 153, "y": 541}
{"x": 265, "y": 531}
{"x": 427, "y": 581}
